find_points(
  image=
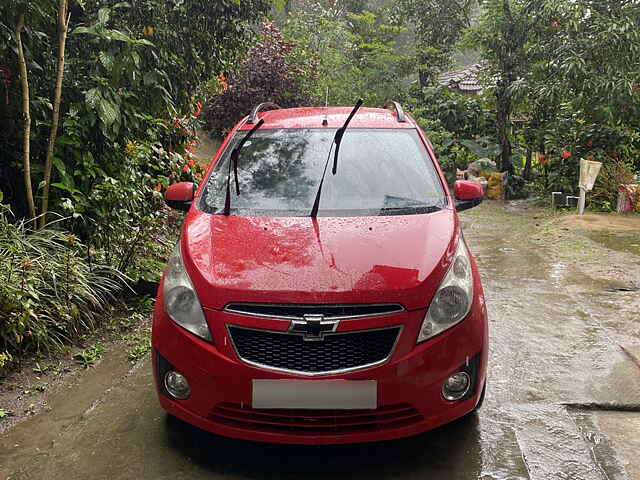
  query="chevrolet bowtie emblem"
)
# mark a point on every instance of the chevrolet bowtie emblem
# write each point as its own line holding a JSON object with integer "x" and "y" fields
{"x": 313, "y": 327}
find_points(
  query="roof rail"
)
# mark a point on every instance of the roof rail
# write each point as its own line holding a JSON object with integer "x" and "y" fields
{"x": 253, "y": 118}
{"x": 402, "y": 118}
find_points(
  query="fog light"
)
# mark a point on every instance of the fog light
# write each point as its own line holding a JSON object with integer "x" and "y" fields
{"x": 456, "y": 386}
{"x": 177, "y": 385}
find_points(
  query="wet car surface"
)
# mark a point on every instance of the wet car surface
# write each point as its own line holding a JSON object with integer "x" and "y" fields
{"x": 560, "y": 402}
{"x": 321, "y": 309}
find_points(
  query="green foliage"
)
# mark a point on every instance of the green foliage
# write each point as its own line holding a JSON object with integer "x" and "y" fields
{"x": 569, "y": 69}
{"x": 5, "y": 359}
{"x": 122, "y": 208}
{"x": 501, "y": 35}
{"x": 49, "y": 292}
{"x": 588, "y": 53}
{"x": 614, "y": 172}
{"x": 460, "y": 127}
{"x": 42, "y": 369}
{"x": 125, "y": 82}
{"x": 139, "y": 345}
{"x": 193, "y": 39}
{"x": 88, "y": 357}
{"x": 438, "y": 26}
{"x": 6, "y": 413}
{"x": 378, "y": 70}
{"x": 583, "y": 86}
{"x": 355, "y": 54}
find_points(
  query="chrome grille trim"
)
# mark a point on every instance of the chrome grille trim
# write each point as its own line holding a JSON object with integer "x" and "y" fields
{"x": 249, "y": 309}
{"x": 400, "y": 329}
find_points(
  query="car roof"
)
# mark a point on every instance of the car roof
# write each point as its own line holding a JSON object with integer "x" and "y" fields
{"x": 312, "y": 117}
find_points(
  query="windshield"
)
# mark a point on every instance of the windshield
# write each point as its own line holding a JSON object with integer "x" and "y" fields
{"x": 382, "y": 172}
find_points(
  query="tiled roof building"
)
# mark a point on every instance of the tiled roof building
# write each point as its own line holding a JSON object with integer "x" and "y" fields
{"x": 464, "y": 80}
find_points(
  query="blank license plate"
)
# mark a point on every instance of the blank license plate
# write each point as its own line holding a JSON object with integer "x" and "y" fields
{"x": 315, "y": 394}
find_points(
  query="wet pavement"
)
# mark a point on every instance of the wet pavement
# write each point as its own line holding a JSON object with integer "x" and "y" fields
{"x": 563, "y": 400}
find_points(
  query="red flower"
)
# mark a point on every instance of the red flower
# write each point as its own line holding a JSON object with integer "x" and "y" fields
{"x": 191, "y": 163}
{"x": 198, "y": 110}
{"x": 186, "y": 169}
{"x": 223, "y": 81}
{"x": 542, "y": 159}
{"x": 566, "y": 155}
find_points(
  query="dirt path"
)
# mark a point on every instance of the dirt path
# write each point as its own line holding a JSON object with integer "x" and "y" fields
{"x": 603, "y": 222}
{"x": 563, "y": 399}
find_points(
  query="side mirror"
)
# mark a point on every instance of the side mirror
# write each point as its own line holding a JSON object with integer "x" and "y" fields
{"x": 468, "y": 194}
{"x": 180, "y": 195}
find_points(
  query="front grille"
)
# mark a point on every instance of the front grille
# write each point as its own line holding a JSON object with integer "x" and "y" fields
{"x": 329, "y": 311}
{"x": 290, "y": 352}
{"x": 315, "y": 422}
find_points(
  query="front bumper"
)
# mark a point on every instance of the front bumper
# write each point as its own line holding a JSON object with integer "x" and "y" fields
{"x": 409, "y": 383}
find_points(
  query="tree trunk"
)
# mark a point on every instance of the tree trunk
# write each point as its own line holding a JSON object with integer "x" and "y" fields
{"x": 26, "y": 115}
{"x": 527, "y": 164}
{"x": 424, "y": 77}
{"x": 503, "y": 98}
{"x": 503, "y": 105}
{"x": 63, "y": 27}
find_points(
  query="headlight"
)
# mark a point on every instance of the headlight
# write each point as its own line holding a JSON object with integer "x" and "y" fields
{"x": 180, "y": 300}
{"x": 452, "y": 302}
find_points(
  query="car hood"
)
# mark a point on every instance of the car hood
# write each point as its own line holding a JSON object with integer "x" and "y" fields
{"x": 389, "y": 259}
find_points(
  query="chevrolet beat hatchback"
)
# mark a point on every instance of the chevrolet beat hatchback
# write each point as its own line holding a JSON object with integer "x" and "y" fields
{"x": 321, "y": 291}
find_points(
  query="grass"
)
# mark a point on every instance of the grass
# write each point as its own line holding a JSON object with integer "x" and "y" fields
{"x": 133, "y": 328}
{"x": 539, "y": 225}
{"x": 50, "y": 293}
{"x": 139, "y": 345}
{"x": 6, "y": 413}
{"x": 88, "y": 357}
{"x": 42, "y": 369}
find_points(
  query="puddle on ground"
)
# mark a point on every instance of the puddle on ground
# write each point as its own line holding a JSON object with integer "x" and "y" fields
{"x": 622, "y": 242}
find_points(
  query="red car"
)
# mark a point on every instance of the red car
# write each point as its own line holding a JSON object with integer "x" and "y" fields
{"x": 321, "y": 291}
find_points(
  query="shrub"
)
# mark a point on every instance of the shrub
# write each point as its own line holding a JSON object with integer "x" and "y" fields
{"x": 265, "y": 75}
{"x": 459, "y": 127}
{"x": 605, "y": 191}
{"x": 121, "y": 210}
{"x": 49, "y": 292}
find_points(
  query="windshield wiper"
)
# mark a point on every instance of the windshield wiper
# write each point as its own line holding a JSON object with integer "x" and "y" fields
{"x": 337, "y": 140}
{"x": 424, "y": 209}
{"x": 340, "y": 133}
{"x": 233, "y": 159}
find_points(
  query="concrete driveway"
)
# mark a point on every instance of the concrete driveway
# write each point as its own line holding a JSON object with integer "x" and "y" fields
{"x": 563, "y": 400}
